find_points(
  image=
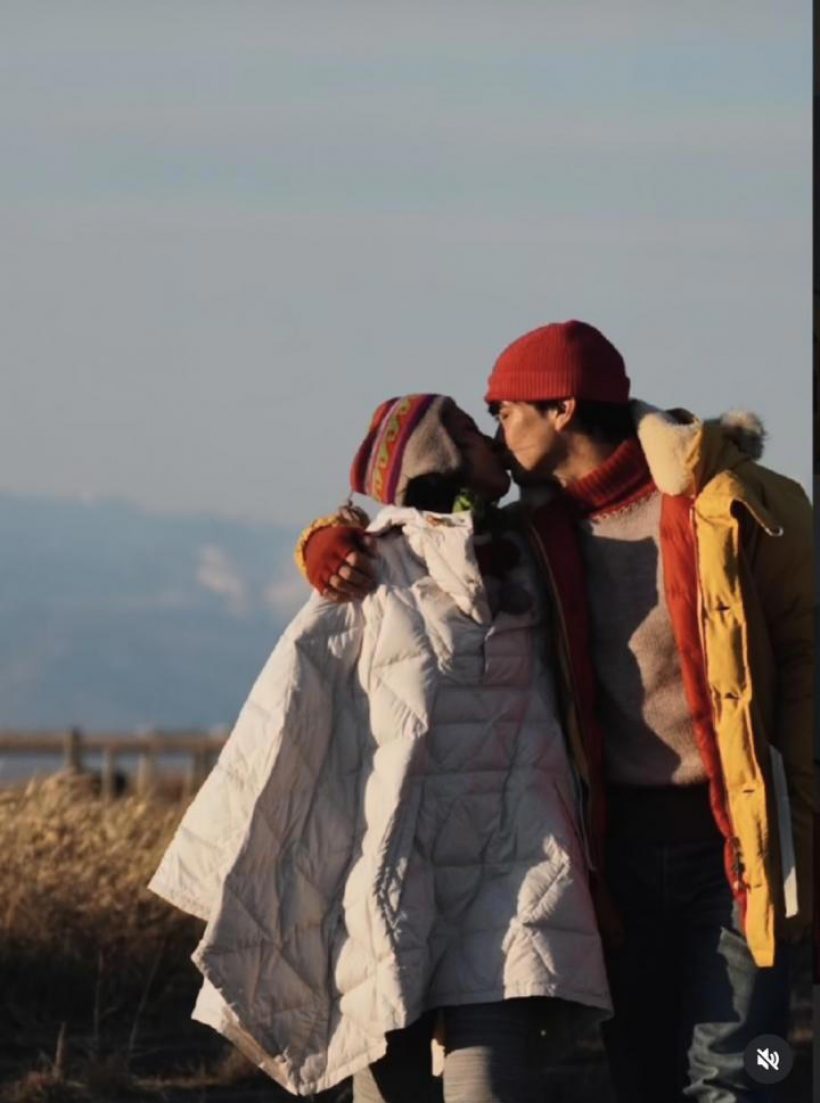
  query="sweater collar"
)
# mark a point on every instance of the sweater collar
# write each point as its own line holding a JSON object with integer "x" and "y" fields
{"x": 621, "y": 480}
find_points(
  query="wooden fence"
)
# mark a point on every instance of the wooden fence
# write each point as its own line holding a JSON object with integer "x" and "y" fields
{"x": 72, "y": 748}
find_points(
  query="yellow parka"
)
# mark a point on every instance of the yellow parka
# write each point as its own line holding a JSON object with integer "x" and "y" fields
{"x": 753, "y": 538}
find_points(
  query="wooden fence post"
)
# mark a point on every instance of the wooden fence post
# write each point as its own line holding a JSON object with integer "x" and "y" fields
{"x": 73, "y": 751}
{"x": 200, "y": 770}
{"x": 145, "y": 770}
{"x": 189, "y": 783}
{"x": 108, "y": 778}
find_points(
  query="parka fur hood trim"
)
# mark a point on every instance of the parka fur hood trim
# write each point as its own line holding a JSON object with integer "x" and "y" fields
{"x": 683, "y": 452}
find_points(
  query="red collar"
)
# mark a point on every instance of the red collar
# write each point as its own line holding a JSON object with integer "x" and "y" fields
{"x": 619, "y": 481}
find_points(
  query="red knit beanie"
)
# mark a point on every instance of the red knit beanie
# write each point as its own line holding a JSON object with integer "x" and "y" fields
{"x": 561, "y": 360}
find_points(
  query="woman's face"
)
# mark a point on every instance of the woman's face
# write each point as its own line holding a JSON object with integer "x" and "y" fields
{"x": 483, "y": 468}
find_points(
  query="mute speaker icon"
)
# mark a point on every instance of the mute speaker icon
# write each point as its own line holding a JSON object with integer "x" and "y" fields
{"x": 768, "y": 1059}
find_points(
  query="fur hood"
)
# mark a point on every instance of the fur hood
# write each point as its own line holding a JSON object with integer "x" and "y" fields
{"x": 684, "y": 453}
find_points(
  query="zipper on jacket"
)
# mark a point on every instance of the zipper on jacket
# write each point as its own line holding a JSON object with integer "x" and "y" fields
{"x": 734, "y": 842}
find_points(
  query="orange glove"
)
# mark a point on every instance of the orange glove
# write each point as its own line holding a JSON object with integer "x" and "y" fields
{"x": 326, "y": 552}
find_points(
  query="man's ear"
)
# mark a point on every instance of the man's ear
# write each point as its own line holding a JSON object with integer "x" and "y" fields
{"x": 565, "y": 413}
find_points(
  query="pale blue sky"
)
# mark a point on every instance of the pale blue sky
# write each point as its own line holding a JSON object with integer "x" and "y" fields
{"x": 232, "y": 228}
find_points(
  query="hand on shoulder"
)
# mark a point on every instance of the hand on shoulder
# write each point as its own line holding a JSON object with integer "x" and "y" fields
{"x": 340, "y": 561}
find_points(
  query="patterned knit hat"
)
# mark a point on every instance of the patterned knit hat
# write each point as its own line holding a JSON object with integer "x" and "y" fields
{"x": 406, "y": 438}
{"x": 561, "y": 360}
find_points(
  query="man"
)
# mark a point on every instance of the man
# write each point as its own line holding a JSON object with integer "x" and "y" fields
{"x": 682, "y": 569}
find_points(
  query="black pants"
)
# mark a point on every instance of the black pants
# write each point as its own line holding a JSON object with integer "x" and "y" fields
{"x": 687, "y": 995}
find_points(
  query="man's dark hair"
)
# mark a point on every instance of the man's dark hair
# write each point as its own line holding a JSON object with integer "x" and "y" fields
{"x": 610, "y": 422}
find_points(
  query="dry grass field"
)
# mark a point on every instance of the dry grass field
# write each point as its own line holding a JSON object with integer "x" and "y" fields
{"x": 96, "y": 985}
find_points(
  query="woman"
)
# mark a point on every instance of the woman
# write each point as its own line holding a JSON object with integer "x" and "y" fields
{"x": 389, "y": 842}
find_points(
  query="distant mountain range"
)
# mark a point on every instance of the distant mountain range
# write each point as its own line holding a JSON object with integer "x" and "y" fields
{"x": 112, "y": 617}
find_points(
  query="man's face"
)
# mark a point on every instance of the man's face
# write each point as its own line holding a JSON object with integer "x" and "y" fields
{"x": 531, "y": 439}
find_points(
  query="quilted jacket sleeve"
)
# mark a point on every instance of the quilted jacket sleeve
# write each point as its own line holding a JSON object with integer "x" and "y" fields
{"x": 287, "y": 699}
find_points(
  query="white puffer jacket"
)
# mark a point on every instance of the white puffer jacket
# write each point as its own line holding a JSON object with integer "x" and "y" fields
{"x": 391, "y": 826}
